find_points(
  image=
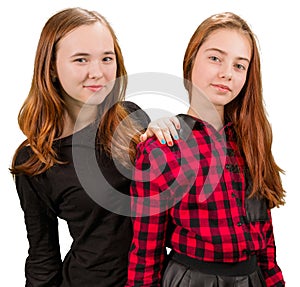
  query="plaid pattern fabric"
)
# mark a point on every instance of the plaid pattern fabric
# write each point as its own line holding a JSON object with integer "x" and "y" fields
{"x": 191, "y": 198}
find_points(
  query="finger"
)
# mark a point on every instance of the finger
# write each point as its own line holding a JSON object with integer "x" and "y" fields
{"x": 167, "y": 135}
{"x": 147, "y": 134}
{"x": 153, "y": 130}
{"x": 143, "y": 137}
{"x": 176, "y": 122}
{"x": 172, "y": 130}
{"x": 163, "y": 132}
{"x": 160, "y": 136}
{"x": 172, "y": 124}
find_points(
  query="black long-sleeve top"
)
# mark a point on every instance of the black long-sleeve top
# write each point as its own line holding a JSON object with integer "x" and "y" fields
{"x": 101, "y": 238}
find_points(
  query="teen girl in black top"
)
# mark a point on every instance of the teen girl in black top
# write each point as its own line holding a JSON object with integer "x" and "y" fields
{"x": 77, "y": 90}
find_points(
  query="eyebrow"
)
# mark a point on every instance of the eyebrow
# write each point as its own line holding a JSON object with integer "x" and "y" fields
{"x": 224, "y": 53}
{"x": 80, "y": 54}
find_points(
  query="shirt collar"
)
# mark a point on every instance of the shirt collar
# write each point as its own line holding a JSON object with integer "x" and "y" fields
{"x": 189, "y": 123}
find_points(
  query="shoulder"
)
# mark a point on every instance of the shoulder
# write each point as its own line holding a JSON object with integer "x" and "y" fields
{"x": 130, "y": 106}
{"x": 136, "y": 113}
{"x": 158, "y": 168}
{"x": 23, "y": 154}
{"x": 153, "y": 151}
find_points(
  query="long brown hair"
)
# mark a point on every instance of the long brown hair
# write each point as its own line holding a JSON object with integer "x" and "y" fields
{"x": 246, "y": 111}
{"x": 41, "y": 115}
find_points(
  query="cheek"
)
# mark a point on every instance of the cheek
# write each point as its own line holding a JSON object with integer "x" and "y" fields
{"x": 239, "y": 83}
{"x": 64, "y": 72}
{"x": 112, "y": 73}
{"x": 197, "y": 76}
{"x": 69, "y": 79}
{"x": 201, "y": 80}
{"x": 72, "y": 78}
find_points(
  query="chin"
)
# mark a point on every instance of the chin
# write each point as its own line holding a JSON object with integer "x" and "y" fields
{"x": 95, "y": 100}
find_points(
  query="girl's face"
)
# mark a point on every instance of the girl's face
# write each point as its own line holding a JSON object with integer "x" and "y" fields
{"x": 221, "y": 65}
{"x": 86, "y": 65}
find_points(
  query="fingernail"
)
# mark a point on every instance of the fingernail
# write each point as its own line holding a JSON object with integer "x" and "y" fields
{"x": 175, "y": 137}
{"x": 170, "y": 143}
{"x": 163, "y": 141}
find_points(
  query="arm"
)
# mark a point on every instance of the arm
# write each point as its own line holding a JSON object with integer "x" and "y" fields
{"x": 267, "y": 259}
{"x": 150, "y": 218}
{"x": 43, "y": 264}
{"x": 146, "y": 256}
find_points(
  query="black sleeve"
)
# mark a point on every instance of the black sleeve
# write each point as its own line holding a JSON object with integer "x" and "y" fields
{"x": 137, "y": 114}
{"x": 43, "y": 264}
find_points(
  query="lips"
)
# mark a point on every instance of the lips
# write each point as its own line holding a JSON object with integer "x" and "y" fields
{"x": 94, "y": 88}
{"x": 221, "y": 88}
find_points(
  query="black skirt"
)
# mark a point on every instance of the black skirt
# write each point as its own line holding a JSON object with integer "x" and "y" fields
{"x": 183, "y": 271}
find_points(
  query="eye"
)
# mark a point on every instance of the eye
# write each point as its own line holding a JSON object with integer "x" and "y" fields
{"x": 241, "y": 67}
{"x": 80, "y": 60}
{"x": 107, "y": 59}
{"x": 214, "y": 59}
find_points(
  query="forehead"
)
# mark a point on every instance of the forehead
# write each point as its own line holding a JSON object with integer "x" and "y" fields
{"x": 231, "y": 41}
{"x": 92, "y": 37}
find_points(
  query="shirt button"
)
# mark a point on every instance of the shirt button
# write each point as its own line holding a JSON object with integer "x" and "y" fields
{"x": 233, "y": 168}
{"x": 239, "y": 223}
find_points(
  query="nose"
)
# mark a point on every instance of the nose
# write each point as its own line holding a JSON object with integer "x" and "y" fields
{"x": 226, "y": 72}
{"x": 95, "y": 70}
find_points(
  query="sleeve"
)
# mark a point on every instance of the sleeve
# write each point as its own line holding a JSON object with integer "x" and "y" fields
{"x": 267, "y": 259}
{"x": 43, "y": 264}
{"x": 149, "y": 215}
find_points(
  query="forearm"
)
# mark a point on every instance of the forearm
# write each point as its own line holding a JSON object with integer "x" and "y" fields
{"x": 43, "y": 264}
{"x": 267, "y": 259}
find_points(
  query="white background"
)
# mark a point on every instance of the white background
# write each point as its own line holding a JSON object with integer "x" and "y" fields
{"x": 153, "y": 36}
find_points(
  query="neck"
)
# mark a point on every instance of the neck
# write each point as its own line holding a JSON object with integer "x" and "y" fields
{"x": 202, "y": 108}
{"x": 77, "y": 119}
{"x": 77, "y": 115}
{"x": 208, "y": 113}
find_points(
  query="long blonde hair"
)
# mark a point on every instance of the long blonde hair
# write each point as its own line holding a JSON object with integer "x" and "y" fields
{"x": 41, "y": 115}
{"x": 247, "y": 111}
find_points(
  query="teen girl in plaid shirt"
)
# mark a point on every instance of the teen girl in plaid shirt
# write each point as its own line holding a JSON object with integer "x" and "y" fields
{"x": 209, "y": 196}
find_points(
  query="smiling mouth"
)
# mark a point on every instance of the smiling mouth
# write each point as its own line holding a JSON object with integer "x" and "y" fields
{"x": 94, "y": 88}
{"x": 222, "y": 88}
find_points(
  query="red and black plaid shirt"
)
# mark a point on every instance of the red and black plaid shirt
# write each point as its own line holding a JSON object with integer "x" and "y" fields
{"x": 191, "y": 198}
